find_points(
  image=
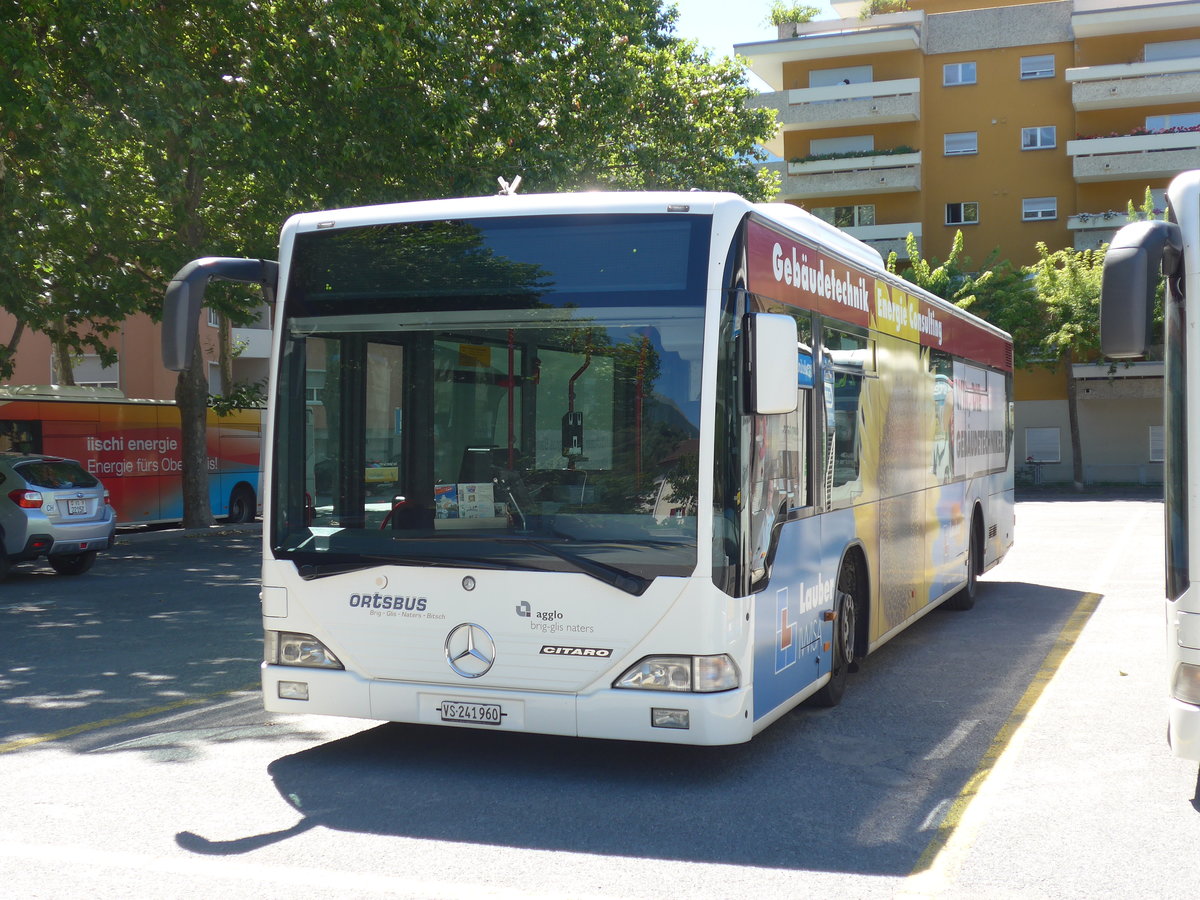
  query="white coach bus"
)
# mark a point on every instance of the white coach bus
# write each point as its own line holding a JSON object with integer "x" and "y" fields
{"x": 1139, "y": 255}
{"x": 649, "y": 466}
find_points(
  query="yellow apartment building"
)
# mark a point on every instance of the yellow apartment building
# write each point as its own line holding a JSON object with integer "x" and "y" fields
{"x": 1016, "y": 122}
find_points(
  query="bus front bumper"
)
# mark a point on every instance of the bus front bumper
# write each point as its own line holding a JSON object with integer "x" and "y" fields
{"x": 711, "y": 719}
{"x": 1184, "y": 729}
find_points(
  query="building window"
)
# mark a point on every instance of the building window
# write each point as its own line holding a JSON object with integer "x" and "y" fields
{"x": 1042, "y": 445}
{"x": 1156, "y": 443}
{"x": 214, "y": 320}
{"x": 314, "y": 386}
{"x": 1041, "y": 137}
{"x": 1163, "y": 50}
{"x": 962, "y": 213}
{"x": 88, "y": 371}
{"x": 846, "y": 216}
{"x": 1037, "y": 67}
{"x": 1175, "y": 120}
{"x": 858, "y": 143}
{"x": 958, "y": 73}
{"x": 961, "y": 143}
{"x": 841, "y": 75}
{"x": 1036, "y": 208}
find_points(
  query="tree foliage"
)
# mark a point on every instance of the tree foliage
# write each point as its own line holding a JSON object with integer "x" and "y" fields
{"x": 949, "y": 280}
{"x": 1068, "y": 284}
{"x": 136, "y": 135}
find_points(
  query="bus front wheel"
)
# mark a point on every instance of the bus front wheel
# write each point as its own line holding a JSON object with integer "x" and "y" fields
{"x": 845, "y": 633}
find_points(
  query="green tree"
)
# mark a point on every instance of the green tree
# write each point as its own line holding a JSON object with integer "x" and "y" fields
{"x": 138, "y": 135}
{"x": 782, "y": 13}
{"x": 65, "y": 256}
{"x": 1068, "y": 286}
{"x": 949, "y": 280}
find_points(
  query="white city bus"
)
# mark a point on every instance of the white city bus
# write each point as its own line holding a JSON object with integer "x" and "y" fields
{"x": 1138, "y": 256}
{"x": 652, "y": 466}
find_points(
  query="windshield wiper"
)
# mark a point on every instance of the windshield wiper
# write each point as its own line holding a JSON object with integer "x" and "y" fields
{"x": 310, "y": 571}
{"x": 621, "y": 579}
{"x": 611, "y": 575}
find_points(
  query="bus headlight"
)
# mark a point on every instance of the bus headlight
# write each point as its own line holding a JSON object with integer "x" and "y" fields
{"x": 285, "y": 648}
{"x": 694, "y": 674}
{"x": 1186, "y": 685}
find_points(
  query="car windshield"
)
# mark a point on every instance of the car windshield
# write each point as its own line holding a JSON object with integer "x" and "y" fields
{"x": 488, "y": 394}
{"x": 55, "y": 474}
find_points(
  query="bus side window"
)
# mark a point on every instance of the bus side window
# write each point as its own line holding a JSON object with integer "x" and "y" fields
{"x": 941, "y": 369}
{"x": 848, "y": 357}
{"x": 779, "y": 473}
{"x": 20, "y": 435}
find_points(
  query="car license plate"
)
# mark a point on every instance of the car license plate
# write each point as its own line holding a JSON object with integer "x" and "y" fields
{"x": 76, "y": 507}
{"x": 471, "y": 713}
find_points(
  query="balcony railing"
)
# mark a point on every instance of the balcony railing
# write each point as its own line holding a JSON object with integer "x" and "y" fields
{"x": 888, "y": 238}
{"x": 833, "y": 38}
{"x": 1099, "y": 18}
{"x": 1134, "y": 84}
{"x": 850, "y": 176}
{"x": 1133, "y": 156}
{"x": 255, "y": 342}
{"x": 868, "y": 103}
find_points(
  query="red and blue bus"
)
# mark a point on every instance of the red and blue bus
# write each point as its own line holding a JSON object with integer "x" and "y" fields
{"x": 133, "y": 446}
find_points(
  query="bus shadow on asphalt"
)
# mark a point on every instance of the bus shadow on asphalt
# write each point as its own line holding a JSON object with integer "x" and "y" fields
{"x": 862, "y": 788}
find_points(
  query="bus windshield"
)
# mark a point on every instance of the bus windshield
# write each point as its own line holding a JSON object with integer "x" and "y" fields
{"x": 493, "y": 393}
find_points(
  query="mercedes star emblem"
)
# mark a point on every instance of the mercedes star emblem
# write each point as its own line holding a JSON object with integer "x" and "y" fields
{"x": 470, "y": 650}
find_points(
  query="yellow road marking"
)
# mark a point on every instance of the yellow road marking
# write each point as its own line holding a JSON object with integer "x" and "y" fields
{"x": 931, "y": 858}
{"x": 22, "y": 743}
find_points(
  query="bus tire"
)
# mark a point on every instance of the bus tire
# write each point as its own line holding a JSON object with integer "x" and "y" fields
{"x": 241, "y": 505}
{"x": 965, "y": 598}
{"x": 845, "y": 636}
{"x": 73, "y": 564}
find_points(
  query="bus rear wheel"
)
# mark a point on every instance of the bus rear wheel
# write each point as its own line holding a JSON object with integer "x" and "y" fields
{"x": 965, "y": 598}
{"x": 241, "y": 505}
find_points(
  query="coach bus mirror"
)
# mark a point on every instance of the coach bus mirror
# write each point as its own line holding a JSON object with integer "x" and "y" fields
{"x": 185, "y": 296}
{"x": 1137, "y": 254}
{"x": 774, "y": 363}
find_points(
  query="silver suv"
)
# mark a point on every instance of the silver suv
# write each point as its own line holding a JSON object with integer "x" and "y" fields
{"x": 52, "y": 507}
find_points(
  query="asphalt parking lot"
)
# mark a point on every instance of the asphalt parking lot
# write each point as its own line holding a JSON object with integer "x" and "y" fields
{"x": 1015, "y": 750}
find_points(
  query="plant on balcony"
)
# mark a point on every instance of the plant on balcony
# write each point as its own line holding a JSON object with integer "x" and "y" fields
{"x": 1144, "y": 213}
{"x": 1139, "y": 131}
{"x": 782, "y": 13}
{"x": 852, "y": 154}
{"x": 879, "y": 7}
{"x": 1147, "y": 212}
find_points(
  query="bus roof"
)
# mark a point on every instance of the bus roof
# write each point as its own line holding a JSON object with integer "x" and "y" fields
{"x": 790, "y": 217}
{"x": 70, "y": 392}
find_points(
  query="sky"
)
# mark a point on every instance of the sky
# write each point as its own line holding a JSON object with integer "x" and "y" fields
{"x": 719, "y": 24}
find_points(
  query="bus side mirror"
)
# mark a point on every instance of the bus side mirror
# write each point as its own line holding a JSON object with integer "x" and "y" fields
{"x": 774, "y": 363}
{"x": 1137, "y": 254}
{"x": 185, "y": 296}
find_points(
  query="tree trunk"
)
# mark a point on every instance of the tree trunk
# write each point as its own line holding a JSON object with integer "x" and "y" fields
{"x": 191, "y": 396}
{"x": 225, "y": 352}
{"x": 64, "y": 372}
{"x": 1073, "y": 418}
{"x": 8, "y": 352}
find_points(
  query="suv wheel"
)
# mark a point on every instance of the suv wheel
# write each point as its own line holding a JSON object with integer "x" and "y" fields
{"x": 74, "y": 564}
